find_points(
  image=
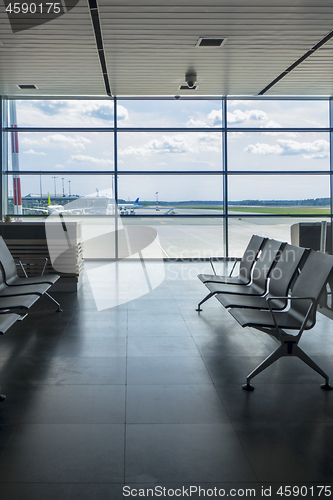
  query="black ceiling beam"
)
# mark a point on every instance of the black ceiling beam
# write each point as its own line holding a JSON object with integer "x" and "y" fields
{"x": 99, "y": 42}
{"x": 298, "y": 62}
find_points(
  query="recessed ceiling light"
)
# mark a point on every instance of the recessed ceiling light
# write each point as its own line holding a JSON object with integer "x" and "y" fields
{"x": 26, "y": 87}
{"x": 211, "y": 42}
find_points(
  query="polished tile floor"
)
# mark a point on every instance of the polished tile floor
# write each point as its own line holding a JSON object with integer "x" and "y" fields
{"x": 148, "y": 395}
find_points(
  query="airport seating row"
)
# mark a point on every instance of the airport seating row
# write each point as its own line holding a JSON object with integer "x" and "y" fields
{"x": 18, "y": 295}
{"x": 276, "y": 292}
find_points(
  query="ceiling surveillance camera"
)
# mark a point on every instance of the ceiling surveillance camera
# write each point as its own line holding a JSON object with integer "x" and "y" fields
{"x": 177, "y": 97}
{"x": 190, "y": 79}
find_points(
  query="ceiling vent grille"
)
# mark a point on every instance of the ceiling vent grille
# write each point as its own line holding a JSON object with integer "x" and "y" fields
{"x": 211, "y": 42}
{"x": 27, "y": 87}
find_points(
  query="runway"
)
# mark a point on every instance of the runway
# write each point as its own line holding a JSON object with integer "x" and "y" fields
{"x": 180, "y": 237}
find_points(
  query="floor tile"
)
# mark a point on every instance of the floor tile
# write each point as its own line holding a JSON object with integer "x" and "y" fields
{"x": 162, "y": 346}
{"x": 179, "y": 452}
{"x": 233, "y": 344}
{"x": 98, "y": 325}
{"x": 71, "y": 404}
{"x": 174, "y": 404}
{"x": 91, "y": 347}
{"x": 64, "y": 453}
{"x": 158, "y": 326}
{"x": 28, "y": 369}
{"x": 267, "y": 404}
{"x": 235, "y": 369}
{"x": 289, "y": 452}
{"x": 80, "y": 371}
{"x": 166, "y": 370}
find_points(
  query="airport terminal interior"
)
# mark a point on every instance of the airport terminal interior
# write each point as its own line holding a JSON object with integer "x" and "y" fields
{"x": 144, "y": 143}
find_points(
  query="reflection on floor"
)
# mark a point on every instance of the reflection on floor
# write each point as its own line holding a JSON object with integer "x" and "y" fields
{"x": 148, "y": 394}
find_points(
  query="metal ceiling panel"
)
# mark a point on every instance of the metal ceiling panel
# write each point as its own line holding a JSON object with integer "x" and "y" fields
{"x": 59, "y": 57}
{"x": 149, "y": 45}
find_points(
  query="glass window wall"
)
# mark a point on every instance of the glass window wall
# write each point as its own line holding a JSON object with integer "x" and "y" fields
{"x": 203, "y": 186}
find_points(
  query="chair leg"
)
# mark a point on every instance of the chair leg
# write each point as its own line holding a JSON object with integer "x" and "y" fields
{"x": 297, "y": 351}
{"x": 204, "y": 300}
{"x": 53, "y": 300}
{"x": 280, "y": 351}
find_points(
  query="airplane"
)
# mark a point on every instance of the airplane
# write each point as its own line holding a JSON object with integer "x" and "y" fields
{"x": 123, "y": 207}
{"x": 58, "y": 209}
{"x": 77, "y": 207}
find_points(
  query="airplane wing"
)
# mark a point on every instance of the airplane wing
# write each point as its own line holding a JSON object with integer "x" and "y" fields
{"x": 44, "y": 210}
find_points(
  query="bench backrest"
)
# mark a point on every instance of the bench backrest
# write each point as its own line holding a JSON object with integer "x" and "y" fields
{"x": 282, "y": 274}
{"x": 270, "y": 253}
{"x": 310, "y": 283}
{"x": 7, "y": 261}
{"x": 250, "y": 255}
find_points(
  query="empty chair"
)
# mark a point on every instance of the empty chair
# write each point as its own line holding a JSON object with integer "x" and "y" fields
{"x": 280, "y": 279}
{"x": 12, "y": 286}
{"x": 245, "y": 265}
{"x": 17, "y": 302}
{"x": 10, "y": 271}
{"x": 20, "y": 292}
{"x": 300, "y": 315}
{"x": 269, "y": 254}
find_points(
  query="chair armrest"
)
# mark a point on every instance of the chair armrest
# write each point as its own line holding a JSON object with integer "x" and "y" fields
{"x": 34, "y": 258}
{"x": 290, "y": 298}
{"x": 225, "y": 259}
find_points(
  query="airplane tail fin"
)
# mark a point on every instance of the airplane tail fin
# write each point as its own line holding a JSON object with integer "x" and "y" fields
{"x": 136, "y": 202}
{"x": 48, "y": 197}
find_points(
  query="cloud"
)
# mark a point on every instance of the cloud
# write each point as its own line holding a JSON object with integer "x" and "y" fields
{"x": 310, "y": 150}
{"x": 239, "y": 102}
{"x": 178, "y": 144}
{"x": 264, "y": 149}
{"x": 68, "y": 113}
{"x": 239, "y": 116}
{"x": 33, "y": 152}
{"x": 196, "y": 123}
{"x": 58, "y": 140}
{"x": 214, "y": 118}
{"x": 89, "y": 159}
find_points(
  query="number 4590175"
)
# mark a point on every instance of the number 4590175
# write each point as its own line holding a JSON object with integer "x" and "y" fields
{"x": 304, "y": 491}
{"x": 34, "y": 8}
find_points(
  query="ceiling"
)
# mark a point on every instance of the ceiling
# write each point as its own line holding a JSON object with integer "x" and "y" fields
{"x": 149, "y": 45}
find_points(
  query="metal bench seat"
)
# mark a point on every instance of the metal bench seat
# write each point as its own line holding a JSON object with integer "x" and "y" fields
{"x": 268, "y": 257}
{"x": 290, "y": 262}
{"x": 245, "y": 265}
{"x": 13, "y": 291}
{"x": 7, "y": 320}
{"x": 300, "y": 315}
{"x": 10, "y": 271}
{"x": 18, "y": 302}
{"x": 25, "y": 286}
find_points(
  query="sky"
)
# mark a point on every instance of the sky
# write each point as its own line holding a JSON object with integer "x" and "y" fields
{"x": 175, "y": 151}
